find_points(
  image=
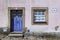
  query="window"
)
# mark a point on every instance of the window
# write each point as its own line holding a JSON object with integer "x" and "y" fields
{"x": 40, "y": 15}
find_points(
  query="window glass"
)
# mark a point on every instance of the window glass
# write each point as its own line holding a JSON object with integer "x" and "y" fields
{"x": 40, "y": 15}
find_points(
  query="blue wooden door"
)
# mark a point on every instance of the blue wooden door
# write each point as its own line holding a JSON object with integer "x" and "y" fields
{"x": 16, "y": 21}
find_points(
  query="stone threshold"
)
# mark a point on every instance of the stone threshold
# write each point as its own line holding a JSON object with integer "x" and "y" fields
{"x": 15, "y": 34}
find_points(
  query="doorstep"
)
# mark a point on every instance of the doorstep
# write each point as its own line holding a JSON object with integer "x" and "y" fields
{"x": 16, "y": 34}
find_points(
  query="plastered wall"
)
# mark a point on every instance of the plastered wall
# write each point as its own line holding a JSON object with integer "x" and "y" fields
{"x": 53, "y": 13}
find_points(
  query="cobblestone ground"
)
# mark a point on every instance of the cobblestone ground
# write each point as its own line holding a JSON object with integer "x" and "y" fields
{"x": 30, "y": 38}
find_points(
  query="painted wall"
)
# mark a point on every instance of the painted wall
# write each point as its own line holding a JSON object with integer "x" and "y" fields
{"x": 53, "y": 19}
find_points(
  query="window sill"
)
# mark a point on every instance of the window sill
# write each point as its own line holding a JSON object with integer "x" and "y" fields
{"x": 41, "y": 23}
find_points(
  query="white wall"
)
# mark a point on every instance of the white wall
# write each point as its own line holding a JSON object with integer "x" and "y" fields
{"x": 53, "y": 19}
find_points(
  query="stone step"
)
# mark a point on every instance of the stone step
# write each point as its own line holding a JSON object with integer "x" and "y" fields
{"x": 16, "y": 32}
{"x": 15, "y": 35}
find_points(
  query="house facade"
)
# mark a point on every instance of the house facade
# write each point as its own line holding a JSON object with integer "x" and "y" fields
{"x": 35, "y": 15}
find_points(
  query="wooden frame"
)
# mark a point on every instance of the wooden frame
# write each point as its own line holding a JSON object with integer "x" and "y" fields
{"x": 16, "y": 8}
{"x": 34, "y": 8}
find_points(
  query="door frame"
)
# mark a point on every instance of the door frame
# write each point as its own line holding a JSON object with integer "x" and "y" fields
{"x": 16, "y": 8}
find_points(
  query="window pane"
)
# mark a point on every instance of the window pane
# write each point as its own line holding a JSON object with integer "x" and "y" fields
{"x": 39, "y": 16}
{"x": 43, "y": 13}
